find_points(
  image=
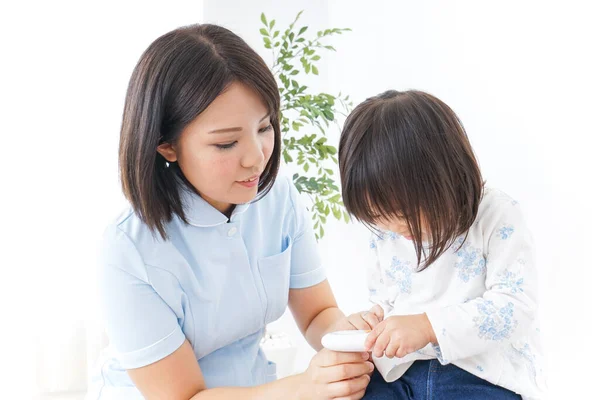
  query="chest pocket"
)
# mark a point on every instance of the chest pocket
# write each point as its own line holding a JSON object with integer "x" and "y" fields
{"x": 275, "y": 274}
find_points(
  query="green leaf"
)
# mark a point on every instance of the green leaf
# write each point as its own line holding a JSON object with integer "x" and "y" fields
{"x": 337, "y": 213}
{"x": 286, "y": 157}
{"x": 299, "y": 109}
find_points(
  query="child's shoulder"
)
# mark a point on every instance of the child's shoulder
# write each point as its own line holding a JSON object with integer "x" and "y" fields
{"x": 496, "y": 204}
{"x": 495, "y": 197}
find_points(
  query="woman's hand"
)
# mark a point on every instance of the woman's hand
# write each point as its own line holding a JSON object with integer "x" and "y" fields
{"x": 336, "y": 375}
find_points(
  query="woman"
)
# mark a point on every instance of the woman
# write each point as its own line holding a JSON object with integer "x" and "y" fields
{"x": 214, "y": 246}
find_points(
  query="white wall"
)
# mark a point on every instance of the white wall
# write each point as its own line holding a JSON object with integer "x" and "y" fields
{"x": 521, "y": 75}
{"x": 65, "y": 68}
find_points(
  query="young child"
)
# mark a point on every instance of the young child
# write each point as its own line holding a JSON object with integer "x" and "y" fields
{"x": 454, "y": 270}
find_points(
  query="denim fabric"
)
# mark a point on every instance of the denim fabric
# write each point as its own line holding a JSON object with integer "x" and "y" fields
{"x": 430, "y": 380}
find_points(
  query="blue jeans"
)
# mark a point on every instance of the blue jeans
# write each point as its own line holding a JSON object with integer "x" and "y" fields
{"x": 430, "y": 380}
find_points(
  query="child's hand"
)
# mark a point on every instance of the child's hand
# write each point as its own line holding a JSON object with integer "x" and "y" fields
{"x": 400, "y": 335}
{"x": 366, "y": 320}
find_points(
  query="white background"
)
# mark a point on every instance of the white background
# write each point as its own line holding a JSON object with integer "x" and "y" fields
{"x": 523, "y": 77}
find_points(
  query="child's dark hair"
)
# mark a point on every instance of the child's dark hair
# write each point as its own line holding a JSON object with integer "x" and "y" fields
{"x": 406, "y": 155}
{"x": 176, "y": 79}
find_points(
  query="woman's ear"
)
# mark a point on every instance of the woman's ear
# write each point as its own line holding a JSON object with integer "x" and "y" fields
{"x": 167, "y": 151}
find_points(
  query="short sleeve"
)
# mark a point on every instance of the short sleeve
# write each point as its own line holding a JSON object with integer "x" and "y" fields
{"x": 306, "y": 268}
{"x": 141, "y": 327}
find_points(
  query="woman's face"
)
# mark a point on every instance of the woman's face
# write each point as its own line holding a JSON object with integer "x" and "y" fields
{"x": 225, "y": 149}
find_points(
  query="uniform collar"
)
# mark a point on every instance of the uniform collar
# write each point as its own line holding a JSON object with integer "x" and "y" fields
{"x": 199, "y": 212}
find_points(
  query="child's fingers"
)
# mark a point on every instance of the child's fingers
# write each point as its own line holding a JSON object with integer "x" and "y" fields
{"x": 372, "y": 337}
{"x": 392, "y": 348}
{"x": 381, "y": 344}
{"x": 371, "y": 319}
{"x": 378, "y": 311}
{"x": 359, "y": 322}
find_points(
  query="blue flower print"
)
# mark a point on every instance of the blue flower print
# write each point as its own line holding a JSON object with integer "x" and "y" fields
{"x": 511, "y": 281}
{"x": 382, "y": 236}
{"x": 505, "y": 232}
{"x": 471, "y": 262}
{"x": 438, "y": 354}
{"x": 494, "y": 323}
{"x": 521, "y": 353}
{"x": 400, "y": 272}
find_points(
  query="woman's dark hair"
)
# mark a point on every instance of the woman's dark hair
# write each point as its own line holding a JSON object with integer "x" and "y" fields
{"x": 406, "y": 155}
{"x": 176, "y": 79}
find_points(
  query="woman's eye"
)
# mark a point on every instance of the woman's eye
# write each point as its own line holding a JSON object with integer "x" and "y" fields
{"x": 225, "y": 146}
{"x": 266, "y": 128}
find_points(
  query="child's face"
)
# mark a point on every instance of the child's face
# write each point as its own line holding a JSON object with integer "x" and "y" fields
{"x": 225, "y": 149}
{"x": 399, "y": 226}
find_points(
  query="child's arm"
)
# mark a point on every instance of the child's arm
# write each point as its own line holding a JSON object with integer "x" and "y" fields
{"x": 508, "y": 307}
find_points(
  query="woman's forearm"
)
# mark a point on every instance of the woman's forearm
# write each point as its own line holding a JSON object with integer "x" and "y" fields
{"x": 321, "y": 324}
{"x": 286, "y": 388}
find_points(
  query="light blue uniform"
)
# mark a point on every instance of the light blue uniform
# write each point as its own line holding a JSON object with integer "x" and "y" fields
{"x": 214, "y": 282}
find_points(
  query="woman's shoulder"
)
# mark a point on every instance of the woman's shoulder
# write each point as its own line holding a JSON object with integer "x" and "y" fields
{"x": 127, "y": 226}
{"x": 127, "y": 241}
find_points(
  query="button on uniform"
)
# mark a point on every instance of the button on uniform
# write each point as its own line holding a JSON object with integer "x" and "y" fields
{"x": 232, "y": 231}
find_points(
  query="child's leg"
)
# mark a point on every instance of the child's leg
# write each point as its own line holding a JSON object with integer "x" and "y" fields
{"x": 431, "y": 380}
{"x": 379, "y": 389}
{"x": 448, "y": 382}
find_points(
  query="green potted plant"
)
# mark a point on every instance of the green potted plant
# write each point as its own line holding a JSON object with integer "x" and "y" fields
{"x": 306, "y": 116}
